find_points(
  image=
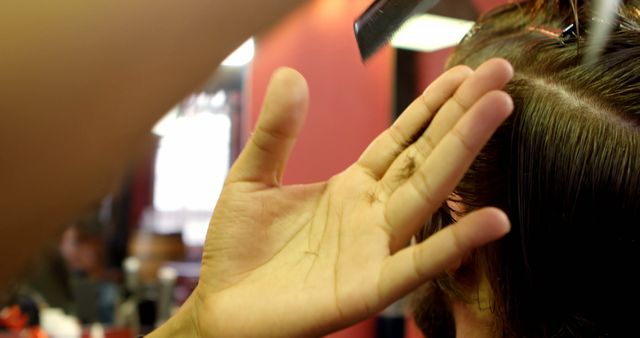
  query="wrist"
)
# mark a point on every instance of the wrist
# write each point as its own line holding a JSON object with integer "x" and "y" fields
{"x": 184, "y": 323}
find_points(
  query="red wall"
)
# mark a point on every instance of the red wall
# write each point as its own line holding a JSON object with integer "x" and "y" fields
{"x": 485, "y": 5}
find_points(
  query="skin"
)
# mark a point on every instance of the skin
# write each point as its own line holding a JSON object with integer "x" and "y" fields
{"x": 305, "y": 260}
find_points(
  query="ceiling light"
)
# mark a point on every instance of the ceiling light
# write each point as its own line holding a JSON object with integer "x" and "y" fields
{"x": 242, "y": 56}
{"x": 167, "y": 123}
{"x": 428, "y": 33}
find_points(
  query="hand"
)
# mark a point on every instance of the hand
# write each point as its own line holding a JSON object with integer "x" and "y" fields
{"x": 305, "y": 260}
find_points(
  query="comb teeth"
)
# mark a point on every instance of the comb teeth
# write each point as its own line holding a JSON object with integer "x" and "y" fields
{"x": 382, "y": 19}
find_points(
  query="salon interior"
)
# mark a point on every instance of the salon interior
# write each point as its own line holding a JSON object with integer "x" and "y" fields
{"x": 124, "y": 267}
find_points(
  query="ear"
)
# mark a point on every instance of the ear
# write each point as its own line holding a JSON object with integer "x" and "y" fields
{"x": 466, "y": 271}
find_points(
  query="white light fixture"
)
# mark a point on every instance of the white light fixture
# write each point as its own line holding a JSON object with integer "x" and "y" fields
{"x": 428, "y": 33}
{"x": 218, "y": 99}
{"x": 242, "y": 56}
{"x": 166, "y": 123}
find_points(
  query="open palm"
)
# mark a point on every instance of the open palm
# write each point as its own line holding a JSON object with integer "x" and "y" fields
{"x": 304, "y": 260}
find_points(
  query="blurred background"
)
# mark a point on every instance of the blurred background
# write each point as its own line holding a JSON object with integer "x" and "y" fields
{"x": 122, "y": 268}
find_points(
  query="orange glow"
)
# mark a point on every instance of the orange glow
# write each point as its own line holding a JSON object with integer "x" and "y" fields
{"x": 330, "y": 7}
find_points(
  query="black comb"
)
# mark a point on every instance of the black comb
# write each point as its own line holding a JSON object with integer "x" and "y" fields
{"x": 382, "y": 19}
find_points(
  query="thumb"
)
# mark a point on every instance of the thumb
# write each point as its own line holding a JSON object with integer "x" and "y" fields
{"x": 284, "y": 110}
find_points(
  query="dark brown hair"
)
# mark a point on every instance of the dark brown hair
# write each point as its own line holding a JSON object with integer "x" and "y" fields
{"x": 565, "y": 167}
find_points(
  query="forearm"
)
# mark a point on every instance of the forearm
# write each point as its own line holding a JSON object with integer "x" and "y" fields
{"x": 81, "y": 84}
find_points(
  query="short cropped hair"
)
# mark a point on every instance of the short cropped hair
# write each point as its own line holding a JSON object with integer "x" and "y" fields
{"x": 565, "y": 167}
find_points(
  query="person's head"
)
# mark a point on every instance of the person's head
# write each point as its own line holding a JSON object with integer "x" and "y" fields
{"x": 565, "y": 167}
{"x": 82, "y": 246}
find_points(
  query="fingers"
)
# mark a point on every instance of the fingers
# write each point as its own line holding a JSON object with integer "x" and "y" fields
{"x": 423, "y": 193}
{"x": 283, "y": 113}
{"x": 386, "y": 147}
{"x": 491, "y": 75}
{"x": 415, "y": 265}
